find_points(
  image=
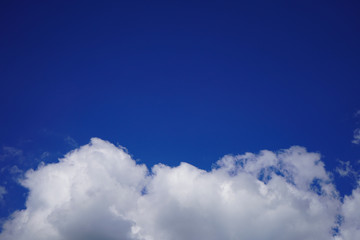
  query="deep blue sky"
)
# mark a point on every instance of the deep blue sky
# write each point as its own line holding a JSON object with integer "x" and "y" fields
{"x": 177, "y": 81}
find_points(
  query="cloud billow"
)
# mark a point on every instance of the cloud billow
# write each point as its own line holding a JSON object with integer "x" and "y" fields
{"x": 99, "y": 192}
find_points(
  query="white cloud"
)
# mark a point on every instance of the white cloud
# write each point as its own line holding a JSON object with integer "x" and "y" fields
{"x": 75, "y": 198}
{"x": 99, "y": 192}
{"x": 350, "y": 227}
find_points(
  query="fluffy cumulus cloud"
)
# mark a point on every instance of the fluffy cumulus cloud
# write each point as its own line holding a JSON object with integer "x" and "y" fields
{"x": 351, "y": 213}
{"x": 98, "y": 192}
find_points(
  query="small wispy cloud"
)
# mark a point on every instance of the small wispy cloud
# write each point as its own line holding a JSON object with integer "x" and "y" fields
{"x": 345, "y": 169}
{"x": 11, "y": 152}
{"x": 357, "y": 113}
{"x": 2, "y": 193}
{"x": 44, "y": 155}
{"x": 15, "y": 170}
{"x": 70, "y": 141}
{"x": 356, "y": 137}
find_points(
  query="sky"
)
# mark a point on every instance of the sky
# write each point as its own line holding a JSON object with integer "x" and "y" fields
{"x": 179, "y": 120}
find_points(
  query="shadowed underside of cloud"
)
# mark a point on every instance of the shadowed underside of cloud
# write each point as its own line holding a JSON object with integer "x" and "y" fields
{"x": 98, "y": 192}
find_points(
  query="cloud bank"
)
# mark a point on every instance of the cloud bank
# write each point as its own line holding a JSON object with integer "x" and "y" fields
{"x": 98, "y": 192}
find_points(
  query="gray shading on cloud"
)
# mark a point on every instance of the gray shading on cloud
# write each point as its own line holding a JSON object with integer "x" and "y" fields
{"x": 99, "y": 192}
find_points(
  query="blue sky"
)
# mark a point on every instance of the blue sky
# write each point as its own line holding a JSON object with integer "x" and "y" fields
{"x": 178, "y": 81}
